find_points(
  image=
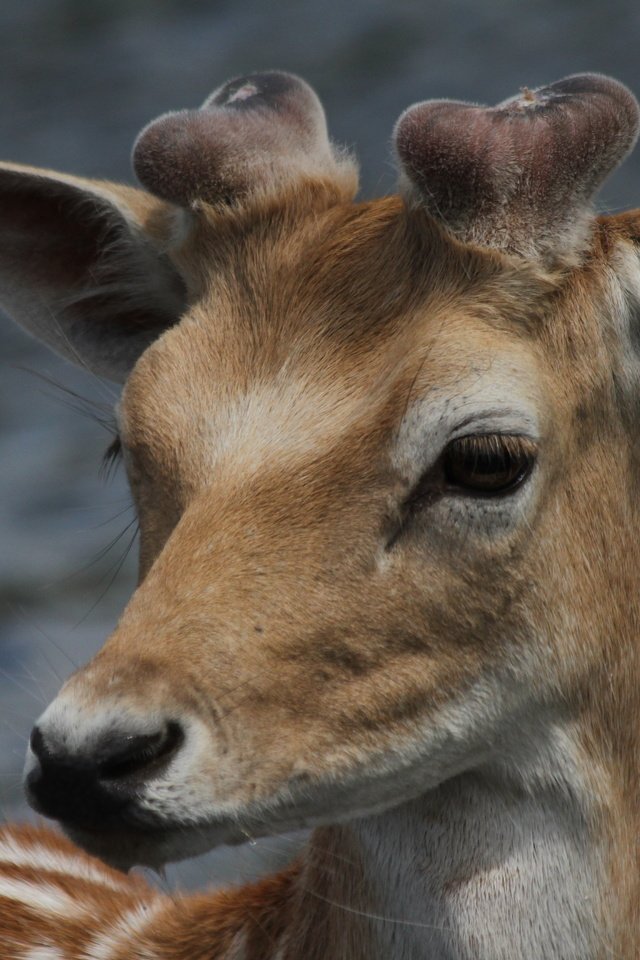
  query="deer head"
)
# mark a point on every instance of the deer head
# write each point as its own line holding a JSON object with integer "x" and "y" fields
{"x": 384, "y": 458}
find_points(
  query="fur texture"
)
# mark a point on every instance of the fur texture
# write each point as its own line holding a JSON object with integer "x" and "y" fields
{"x": 348, "y": 633}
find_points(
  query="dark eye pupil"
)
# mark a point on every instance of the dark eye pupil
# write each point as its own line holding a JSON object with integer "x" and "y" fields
{"x": 486, "y": 464}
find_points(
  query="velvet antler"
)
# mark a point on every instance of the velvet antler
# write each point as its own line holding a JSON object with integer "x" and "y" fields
{"x": 519, "y": 176}
{"x": 260, "y": 132}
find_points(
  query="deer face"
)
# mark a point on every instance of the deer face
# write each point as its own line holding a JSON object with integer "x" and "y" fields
{"x": 359, "y": 542}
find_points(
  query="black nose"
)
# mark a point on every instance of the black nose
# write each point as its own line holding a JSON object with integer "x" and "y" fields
{"x": 95, "y": 789}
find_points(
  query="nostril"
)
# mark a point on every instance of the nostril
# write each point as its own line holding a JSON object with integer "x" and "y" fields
{"x": 94, "y": 787}
{"x": 123, "y": 757}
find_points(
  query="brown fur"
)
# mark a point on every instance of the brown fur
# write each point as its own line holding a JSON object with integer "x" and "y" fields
{"x": 317, "y": 617}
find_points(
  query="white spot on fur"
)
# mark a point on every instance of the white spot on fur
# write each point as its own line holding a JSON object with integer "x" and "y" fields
{"x": 41, "y": 858}
{"x": 40, "y": 897}
{"x": 44, "y": 953}
{"x": 125, "y": 931}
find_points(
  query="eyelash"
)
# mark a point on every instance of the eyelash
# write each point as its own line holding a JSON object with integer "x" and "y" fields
{"x": 488, "y": 465}
{"x": 474, "y": 449}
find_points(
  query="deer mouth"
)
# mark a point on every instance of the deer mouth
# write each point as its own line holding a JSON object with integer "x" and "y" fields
{"x": 147, "y": 845}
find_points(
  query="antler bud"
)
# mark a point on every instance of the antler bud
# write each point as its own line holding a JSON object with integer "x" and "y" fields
{"x": 519, "y": 176}
{"x": 258, "y": 132}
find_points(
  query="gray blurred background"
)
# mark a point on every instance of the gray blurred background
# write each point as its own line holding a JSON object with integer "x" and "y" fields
{"x": 78, "y": 79}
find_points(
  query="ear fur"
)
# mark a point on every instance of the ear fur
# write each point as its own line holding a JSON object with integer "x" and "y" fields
{"x": 519, "y": 177}
{"x": 82, "y": 267}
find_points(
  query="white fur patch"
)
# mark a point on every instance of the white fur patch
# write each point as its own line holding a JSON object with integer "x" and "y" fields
{"x": 40, "y": 897}
{"x": 41, "y": 858}
{"x": 124, "y": 932}
{"x": 491, "y": 871}
{"x": 501, "y": 397}
{"x": 44, "y": 953}
{"x": 77, "y": 726}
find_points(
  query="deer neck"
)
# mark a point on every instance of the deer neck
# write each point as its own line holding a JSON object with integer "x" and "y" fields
{"x": 482, "y": 868}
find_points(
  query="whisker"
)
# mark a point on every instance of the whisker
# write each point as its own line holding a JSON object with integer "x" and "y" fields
{"x": 34, "y": 625}
{"x": 81, "y": 362}
{"x": 378, "y": 917}
{"x": 31, "y": 676}
{"x": 97, "y": 558}
{"x": 116, "y": 571}
{"x": 99, "y": 412}
{"x": 116, "y": 516}
{"x": 14, "y": 680}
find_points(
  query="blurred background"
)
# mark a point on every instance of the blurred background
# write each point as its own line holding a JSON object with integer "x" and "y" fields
{"x": 78, "y": 79}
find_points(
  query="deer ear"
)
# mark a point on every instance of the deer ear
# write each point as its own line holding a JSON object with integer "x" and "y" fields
{"x": 519, "y": 177}
{"x": 260, "y": 133}
{"x": 82, "y": 267}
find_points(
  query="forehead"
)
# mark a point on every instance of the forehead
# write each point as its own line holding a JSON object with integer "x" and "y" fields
{"x": 309, "y": 330}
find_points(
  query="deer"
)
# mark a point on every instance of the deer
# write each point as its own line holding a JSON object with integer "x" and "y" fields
{"x": 385, "y": 456}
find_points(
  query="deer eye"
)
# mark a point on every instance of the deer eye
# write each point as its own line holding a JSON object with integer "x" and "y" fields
{"x": 488, "y": 464}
